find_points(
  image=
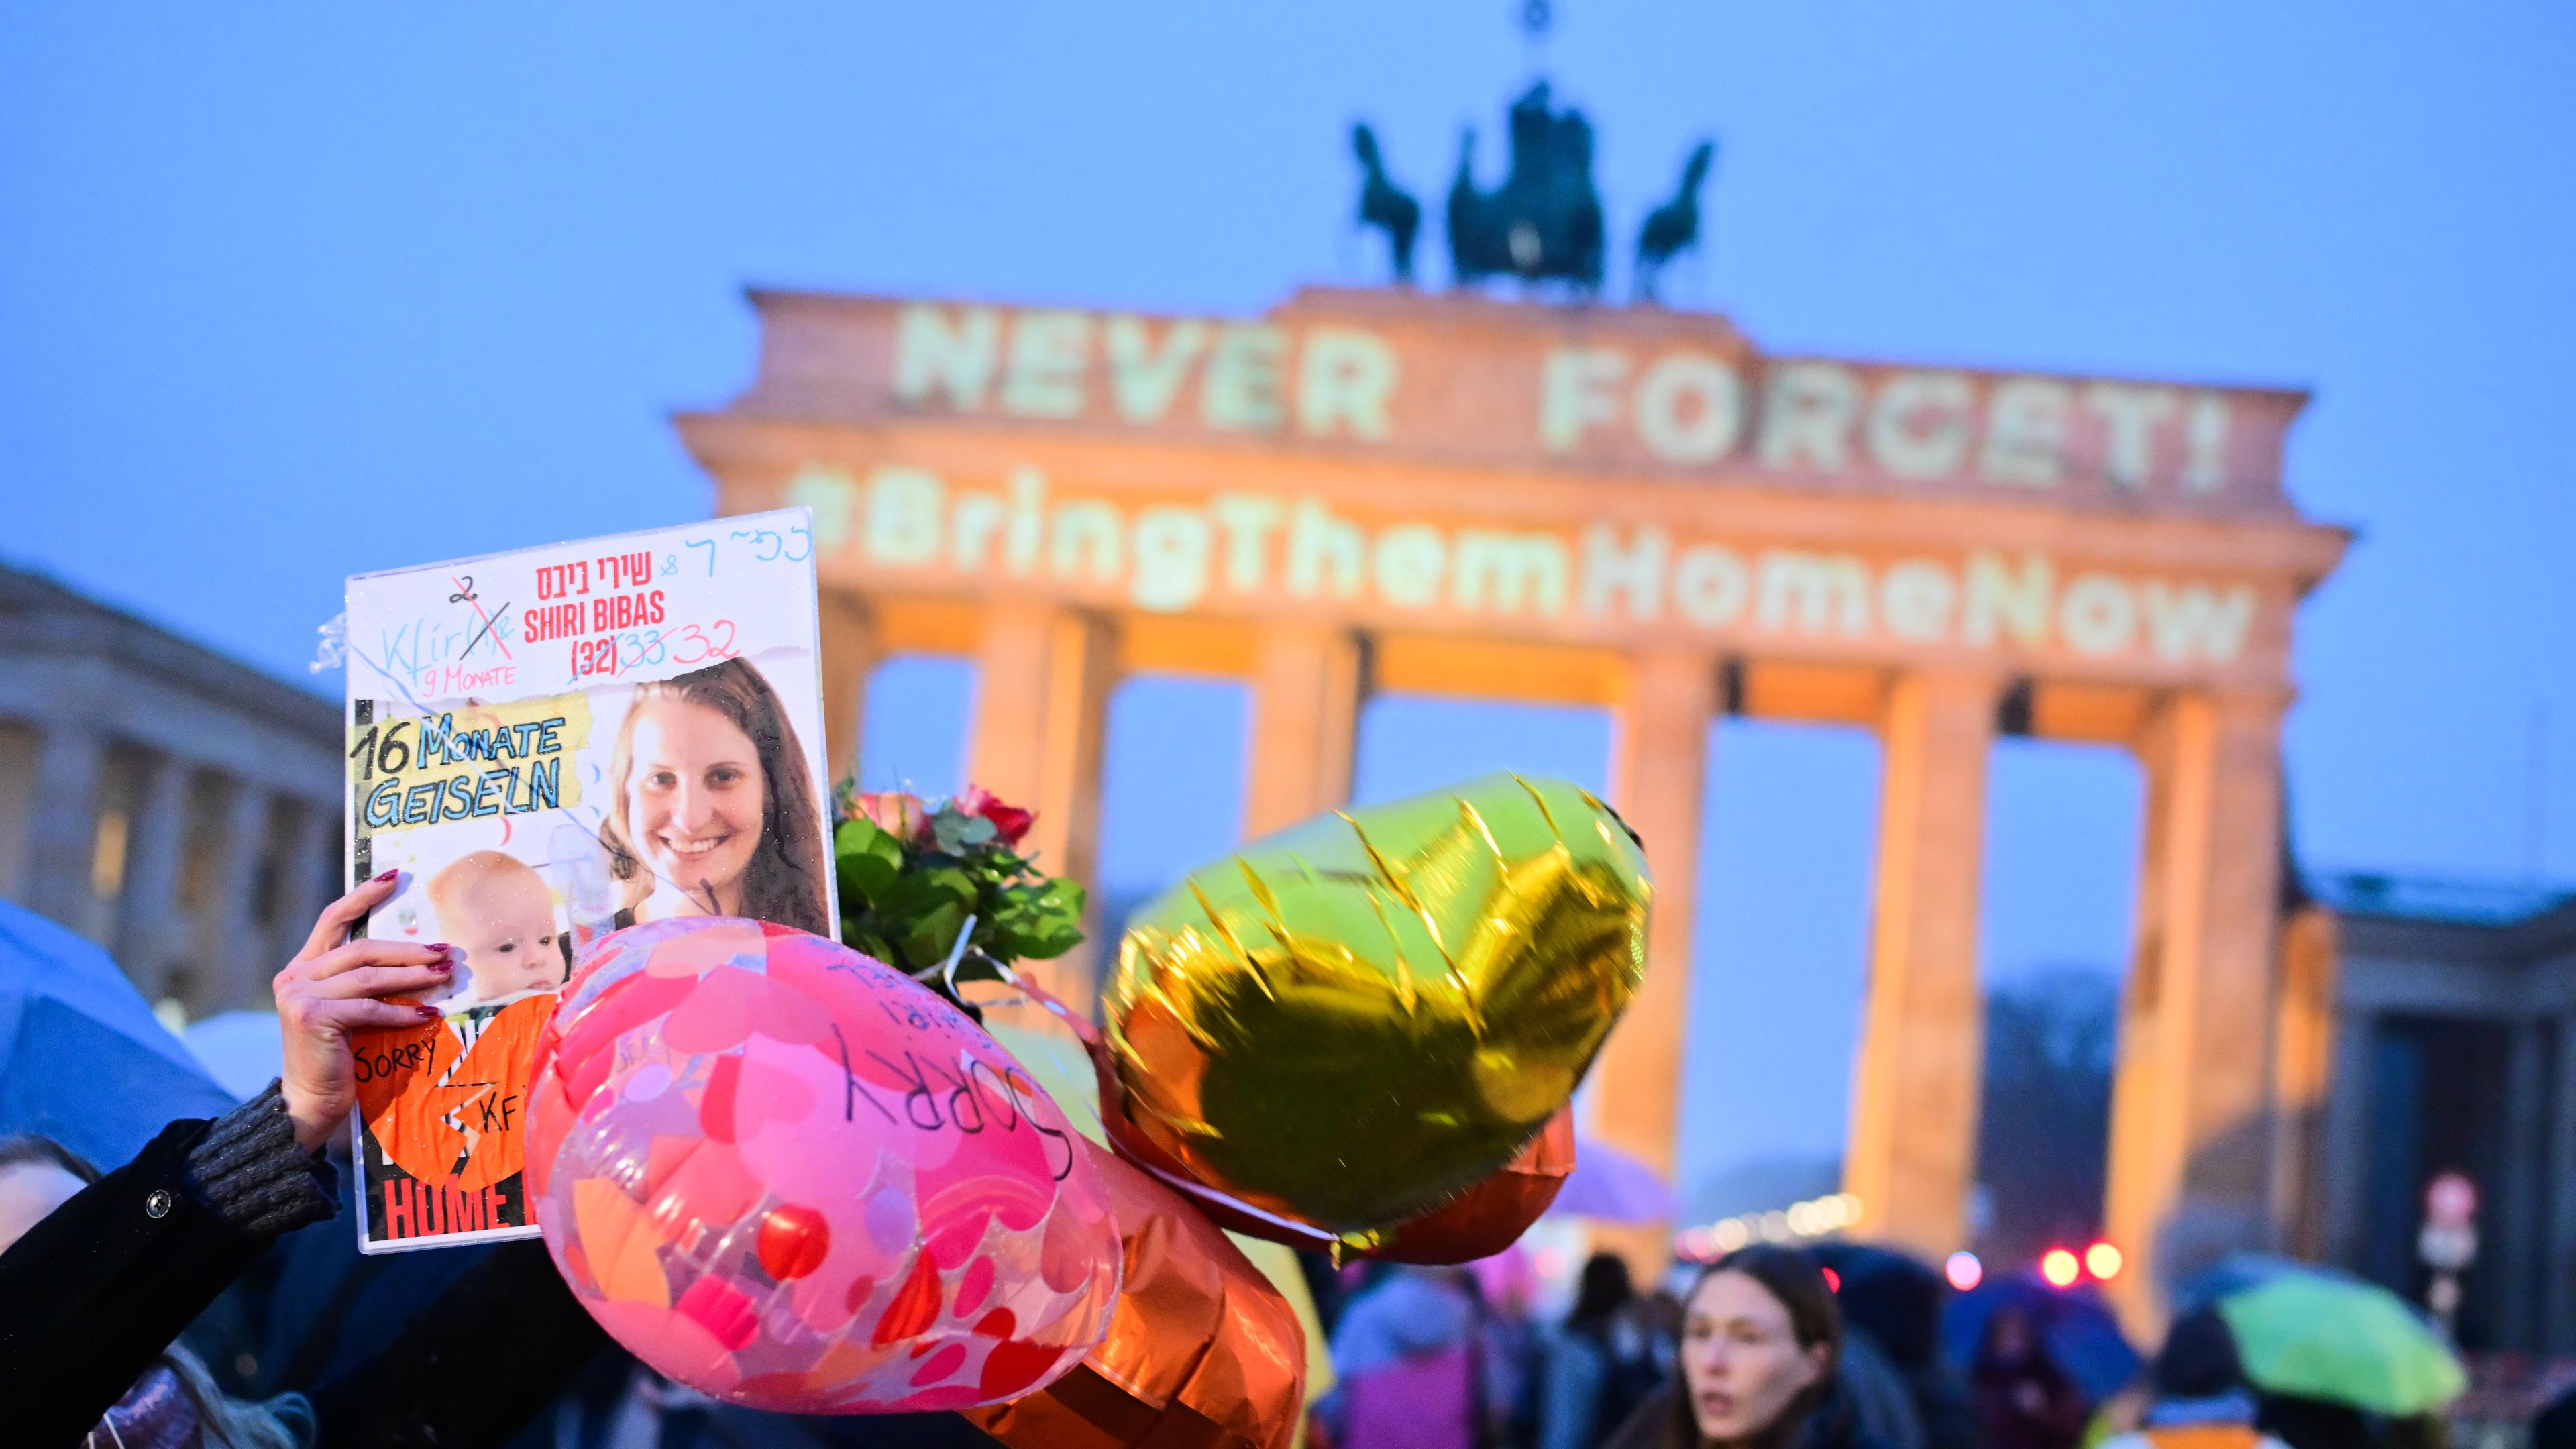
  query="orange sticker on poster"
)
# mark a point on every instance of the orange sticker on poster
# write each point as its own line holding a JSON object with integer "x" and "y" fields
{"x": 443, "y": 1101}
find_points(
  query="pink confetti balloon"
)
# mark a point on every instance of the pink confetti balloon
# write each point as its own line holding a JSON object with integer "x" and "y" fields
{"x": 785, "y": 1175}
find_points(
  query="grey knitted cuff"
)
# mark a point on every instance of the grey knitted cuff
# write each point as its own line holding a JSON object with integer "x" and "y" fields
{"x": 249, "y": 1171}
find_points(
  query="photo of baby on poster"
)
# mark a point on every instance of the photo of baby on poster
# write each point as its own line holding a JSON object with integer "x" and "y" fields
{"x": 552, "y": 745}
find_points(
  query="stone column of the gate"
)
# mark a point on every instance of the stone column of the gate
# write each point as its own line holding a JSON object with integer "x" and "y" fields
{"x": 1043, "y": 677}
{"x": 2191, "y": 1102}
{"x": 849, "y": 652}
{"x": 1308, "y": 683}
{"x": 1911, "y": 1155}
{"x": 1660, "y": 728}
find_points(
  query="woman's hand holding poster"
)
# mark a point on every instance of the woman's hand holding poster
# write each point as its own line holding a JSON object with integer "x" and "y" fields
{"x": 550, "y": 745}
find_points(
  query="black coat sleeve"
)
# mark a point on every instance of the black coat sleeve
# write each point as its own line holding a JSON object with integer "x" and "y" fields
{"x": 94, "y": 1293}
{"x": 473, "y": 1368}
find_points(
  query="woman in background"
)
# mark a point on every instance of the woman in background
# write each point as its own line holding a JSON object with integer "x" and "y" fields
{"x": 1761, "y": 1342}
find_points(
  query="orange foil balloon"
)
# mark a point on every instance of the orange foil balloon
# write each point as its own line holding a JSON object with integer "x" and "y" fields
{"x": 1492, "y": 1215}
{"x": 1201, "y": 1351}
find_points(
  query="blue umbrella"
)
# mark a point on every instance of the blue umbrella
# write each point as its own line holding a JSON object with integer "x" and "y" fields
{"x": 2075, "y": 1327}
{"x": 82, "y": 1059}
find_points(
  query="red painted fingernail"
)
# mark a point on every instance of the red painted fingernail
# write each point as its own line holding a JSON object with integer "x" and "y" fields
{"x": 442, "y": 967}
{"x": 382, "y": 876}
{"x": 440, "y": 947}
{"x": 427, "y": 1013}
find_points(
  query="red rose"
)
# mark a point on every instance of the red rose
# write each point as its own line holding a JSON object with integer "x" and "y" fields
{"x": 1010, "y": 822}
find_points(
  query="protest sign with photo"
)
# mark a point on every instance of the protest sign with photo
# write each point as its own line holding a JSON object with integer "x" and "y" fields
{"x": 550, "y": 745}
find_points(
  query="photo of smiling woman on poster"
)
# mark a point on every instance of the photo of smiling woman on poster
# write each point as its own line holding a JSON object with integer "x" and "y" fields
{"x": 714, "y": 811}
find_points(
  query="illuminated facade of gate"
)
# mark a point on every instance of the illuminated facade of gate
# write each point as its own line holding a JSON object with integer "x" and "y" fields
{"x": 1630, "y": 509}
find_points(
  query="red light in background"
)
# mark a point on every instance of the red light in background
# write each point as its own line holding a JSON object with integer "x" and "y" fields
{"x": 1833, "y": 1281}
{"x": 2059, "y": 1267}
{"x": 2102, "y": 1261}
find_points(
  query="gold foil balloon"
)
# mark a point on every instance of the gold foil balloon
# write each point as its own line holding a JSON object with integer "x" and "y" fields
{"x": 1350, "y": 1022}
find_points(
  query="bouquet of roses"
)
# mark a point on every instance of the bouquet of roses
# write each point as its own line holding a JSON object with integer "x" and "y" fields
{"x": 913, "y": 872}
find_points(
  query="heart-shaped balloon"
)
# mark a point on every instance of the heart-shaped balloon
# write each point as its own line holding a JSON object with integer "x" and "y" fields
{"x": 1350, "y": 1022}
{"x": 785, "y": 1175}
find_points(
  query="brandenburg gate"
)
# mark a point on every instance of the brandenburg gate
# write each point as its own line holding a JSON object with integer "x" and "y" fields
{"x": 1632, "y": 509}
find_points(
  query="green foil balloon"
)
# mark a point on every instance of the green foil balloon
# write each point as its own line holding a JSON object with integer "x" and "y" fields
{"x": 1347, "y": 1023}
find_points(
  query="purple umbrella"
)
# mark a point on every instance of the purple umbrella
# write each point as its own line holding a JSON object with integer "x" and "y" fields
{"x": 1610, "y": 1186}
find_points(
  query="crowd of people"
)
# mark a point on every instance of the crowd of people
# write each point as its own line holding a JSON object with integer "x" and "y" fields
{"x": 1768, "y": 1348}
{"x": 207, "y": 1295}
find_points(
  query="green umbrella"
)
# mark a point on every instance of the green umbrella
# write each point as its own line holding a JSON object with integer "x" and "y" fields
{"x": 2351, "y": 1343}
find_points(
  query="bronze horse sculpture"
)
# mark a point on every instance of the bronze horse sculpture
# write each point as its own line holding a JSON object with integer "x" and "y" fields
{"x": 1385, "y": 205}
{"x": 1673, "y": 226}
{"x": 1544, "y": 222}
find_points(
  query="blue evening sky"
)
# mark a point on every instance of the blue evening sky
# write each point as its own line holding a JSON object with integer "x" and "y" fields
{"x": 296, "y": 291}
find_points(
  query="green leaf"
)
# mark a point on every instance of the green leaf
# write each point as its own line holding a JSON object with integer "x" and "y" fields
{"x": 1041, "y": 921}
{"x": 869, "y": 859}
{"x": 860, "y": 883}
{"x": 928, "y": 937}
{"x": 1057, "y": 900}
{"x": 924, "y": 908}
{"x": 932, "y": 888}
{"x": 868, "y": 942}
{"x": 1048, "y": 945}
